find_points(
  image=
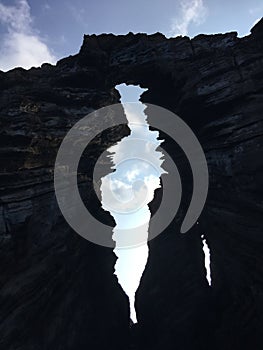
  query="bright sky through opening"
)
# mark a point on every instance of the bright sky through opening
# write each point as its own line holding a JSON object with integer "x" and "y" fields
{"x": 133, "y": 183}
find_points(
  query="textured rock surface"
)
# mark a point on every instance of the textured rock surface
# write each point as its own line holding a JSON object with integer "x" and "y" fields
{"x": 57, "y": 290}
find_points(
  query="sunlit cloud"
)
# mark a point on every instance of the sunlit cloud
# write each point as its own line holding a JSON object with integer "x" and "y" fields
{"x": 191, "y": 12}
{"x": 21, "y": 44}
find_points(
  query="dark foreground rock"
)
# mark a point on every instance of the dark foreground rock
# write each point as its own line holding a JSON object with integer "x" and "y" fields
{"x": 57, "y": 291}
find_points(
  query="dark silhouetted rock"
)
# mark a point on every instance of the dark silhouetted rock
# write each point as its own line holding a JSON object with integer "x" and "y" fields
{"x": 57, "y": 291}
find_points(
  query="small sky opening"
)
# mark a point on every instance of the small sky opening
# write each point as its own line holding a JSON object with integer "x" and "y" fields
{"x": 206, "y": 251}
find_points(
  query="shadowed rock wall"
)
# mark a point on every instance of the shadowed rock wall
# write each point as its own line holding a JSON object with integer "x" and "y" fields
{"x": 56, "y": 289}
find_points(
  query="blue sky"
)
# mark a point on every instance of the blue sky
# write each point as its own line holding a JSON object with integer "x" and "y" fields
{"x": 33, "y": 32}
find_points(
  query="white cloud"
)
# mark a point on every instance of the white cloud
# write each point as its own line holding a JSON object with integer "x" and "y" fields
{"x": 21, "y": 45}
{"x": 132, "y": 174}
{"x": 191, "y": 11}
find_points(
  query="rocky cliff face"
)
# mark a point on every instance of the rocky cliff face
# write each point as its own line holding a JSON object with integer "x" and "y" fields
{"x": 57, "y": 291}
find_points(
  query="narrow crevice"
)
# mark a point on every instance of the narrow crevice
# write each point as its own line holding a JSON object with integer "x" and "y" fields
{"x": 206, "y": 251}
{"x": 132, "y": 185}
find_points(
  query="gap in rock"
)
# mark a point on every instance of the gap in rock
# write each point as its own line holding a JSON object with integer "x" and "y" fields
{"x": 132, "y": 185}
{"x": 206, "y": 251}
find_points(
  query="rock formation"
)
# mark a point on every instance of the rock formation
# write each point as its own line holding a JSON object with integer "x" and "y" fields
{"x": 57, "y": 291}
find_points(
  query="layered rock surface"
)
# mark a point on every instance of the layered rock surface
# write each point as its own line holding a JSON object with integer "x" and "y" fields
{"x": 56, "y": 289}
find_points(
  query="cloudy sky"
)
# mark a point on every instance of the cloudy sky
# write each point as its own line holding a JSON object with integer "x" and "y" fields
{"x": 33, "y": 32}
